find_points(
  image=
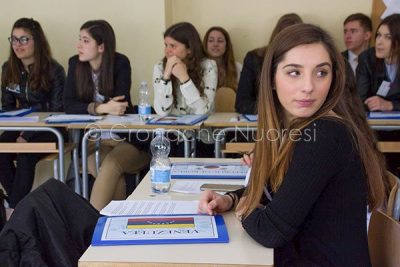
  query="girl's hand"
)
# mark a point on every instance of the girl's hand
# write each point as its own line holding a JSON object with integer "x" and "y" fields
{"x": 247, "y": 159}
{"x": 179, "y": 70}
{"x": 116, "y": 106}
{"x": 378, "y": 103}
{"x": 171, "y": 62}
{"x": 212, "y": 203}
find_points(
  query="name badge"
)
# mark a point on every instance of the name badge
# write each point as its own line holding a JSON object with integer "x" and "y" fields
{"x": 383, "y": 89}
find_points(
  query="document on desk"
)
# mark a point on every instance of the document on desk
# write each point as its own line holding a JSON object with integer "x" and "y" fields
{"x": 194, "y": 187}
{"x": 171, "y": 229}
{"x": 208, "y": 170}
{"x": 251, "y": 117}
{"x": 72, "y": 118}
{"x": 149, "y": 207}
{"x": 15, "y": 113}
{"x": 128, "y": 118}
{"x": 384, "y": 115}
{"x": 20, "y": 119}
{"x": 178, "y": 120}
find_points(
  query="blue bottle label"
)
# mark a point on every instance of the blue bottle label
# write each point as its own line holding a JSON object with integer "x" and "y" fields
{"x": 144, "y": 110}
{"x": 160, "y": 175}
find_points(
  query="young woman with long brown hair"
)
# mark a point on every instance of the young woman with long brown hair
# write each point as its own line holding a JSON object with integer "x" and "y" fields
{"x": 314, "y": 171}
{"x": 218, "y": 46}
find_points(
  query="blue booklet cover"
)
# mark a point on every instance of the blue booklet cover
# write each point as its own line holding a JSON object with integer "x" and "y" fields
{"x": 160, "y": 229}
{"x": 16, "y": 113}
{"x": 202, "y": 170}
{"x": 384, "y": 115}
{"x": 250, "y": 117}
{"x": 178, "y": 120}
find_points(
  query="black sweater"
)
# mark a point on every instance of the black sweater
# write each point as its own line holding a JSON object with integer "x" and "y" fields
{"x": 122, "y": 85}
{"x": 247, "y": 93}
{"x": 318, "y": 215}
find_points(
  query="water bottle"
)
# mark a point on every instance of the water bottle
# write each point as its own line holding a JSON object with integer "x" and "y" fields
{"x": 144, "y": 104}
{"x": 160, "y": 166}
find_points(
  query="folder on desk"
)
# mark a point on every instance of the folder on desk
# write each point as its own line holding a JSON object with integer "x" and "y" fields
{"x": 71, "y": 118}
{"x": 15, "y": 113}
{"x": 168, "y": 229}
{"x": 178, "y": 120}
{"x": 250, "y": 117}
{"x": 384, "y": 115}
{"x": 207, "y": 170}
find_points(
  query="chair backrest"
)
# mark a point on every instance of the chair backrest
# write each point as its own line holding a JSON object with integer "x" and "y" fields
{"x": 384, "y": 240}
{"x": 384, "y": 230}
{"x": 225, "y": 98}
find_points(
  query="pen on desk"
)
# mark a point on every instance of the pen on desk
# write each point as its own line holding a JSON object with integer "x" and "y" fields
{"x": 238, "y": 118}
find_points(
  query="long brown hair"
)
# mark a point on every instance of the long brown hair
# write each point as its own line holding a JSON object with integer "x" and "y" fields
{"x": 102, "y": 32}
{"x": 272, "y": 158}
{"x": 186, "y": 33}
{"x": 39, "y": 75}
{"x": 393, "y": 24}
{"x": 227, "y": 73}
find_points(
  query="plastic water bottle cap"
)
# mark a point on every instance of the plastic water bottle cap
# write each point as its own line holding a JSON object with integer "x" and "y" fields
{"x": 143, "y": 83}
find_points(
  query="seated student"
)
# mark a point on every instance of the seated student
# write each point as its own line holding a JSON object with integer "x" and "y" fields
{"x": 356, "y": 34}
{"x": 378, "y": 78}
{"x": 246, "y": 96}
{"x": 312, "y": 177}
{"x": 98, "y": 82}
{"x": 31, "y": 78}
{"x": 185, "y": 81}
{"x": 218, "y": 46}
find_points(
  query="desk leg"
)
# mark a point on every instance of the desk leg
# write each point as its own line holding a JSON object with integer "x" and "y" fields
{"x": 75, "y": 160}
{"x": 85, "y": 190}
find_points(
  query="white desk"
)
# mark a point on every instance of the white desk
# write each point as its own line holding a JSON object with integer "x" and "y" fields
{"x": 241, "y": 249}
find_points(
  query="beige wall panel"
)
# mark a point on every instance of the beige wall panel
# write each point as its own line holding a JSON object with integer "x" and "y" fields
{"x": 250, "y": 23}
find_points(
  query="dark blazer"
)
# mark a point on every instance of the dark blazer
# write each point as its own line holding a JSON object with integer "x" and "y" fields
{"x": 52, "y": 226}
{"x": 39, "y": 100}
{"x": 122, "y": 85}
{"x": 247, "y": 93}
{"x": 371, "y": 72}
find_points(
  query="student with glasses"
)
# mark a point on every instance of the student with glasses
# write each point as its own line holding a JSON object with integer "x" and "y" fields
{"x": 30, "y": 78}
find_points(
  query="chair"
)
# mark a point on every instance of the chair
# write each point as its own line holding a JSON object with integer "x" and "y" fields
{"x": 68, "y": 147}
{"x": 384, "y": 231}
{"x": 225, "y": 98}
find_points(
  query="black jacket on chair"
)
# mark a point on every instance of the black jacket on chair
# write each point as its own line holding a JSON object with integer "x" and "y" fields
{"x": 52, "y": 226}
{"x": 371, "y": 72}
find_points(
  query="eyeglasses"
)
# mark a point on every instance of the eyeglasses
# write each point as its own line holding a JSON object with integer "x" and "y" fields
{"x": 23, "y": 40}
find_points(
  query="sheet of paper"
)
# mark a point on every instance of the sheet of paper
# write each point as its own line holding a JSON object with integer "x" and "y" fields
{"x": 19, "y": 119}
{"x": 18, "y": 112}
{"x": 149, "y": 207}
{"x": 159, "y": 227}
{"x": 72, "y": 118}
{"x": 131, "y": 118}
{"x": 193, "y": 187}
